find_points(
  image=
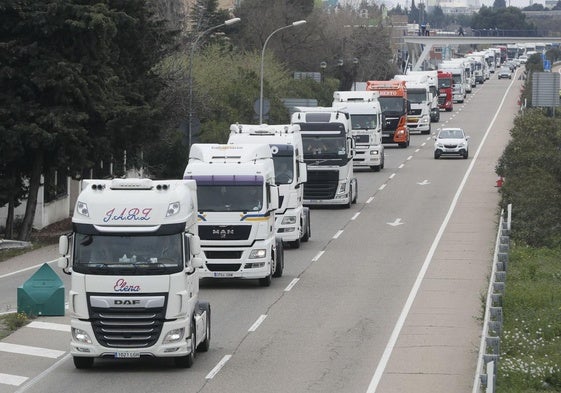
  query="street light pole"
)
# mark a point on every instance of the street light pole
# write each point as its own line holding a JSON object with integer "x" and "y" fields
{"x": 191, "y": 54}
{"x": 297, "y": 23}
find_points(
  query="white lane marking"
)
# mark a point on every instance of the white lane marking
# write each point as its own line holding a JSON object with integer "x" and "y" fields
{"x": 423, "y": 144}
{"x": 49, "y": 326}
{"x": 417, "y": 150}
{"x": 382, "y": 187}
{"x": 410, "y": 157}
{"x": 14, "y": 380}
{"x": 395, "y": 223}
{"x": 318, "y": 256}
{"x": 392, "y": 176}
{"x": 257, "y": 323}
{"x": 339, "y": 232}
{"x": 27, "y": 268}
{"x": 355, "y": 216}
{"x": 43, "y": 374}
{"x": 218, "y": 367}
{"x": 29, "y": 350}
{"x": 370, "y": 199}
{"x": 291, "y": 285}
{"x": 415, "y": 289}
{"x": 424, "y": 182}
{"x": 401, "y": 166}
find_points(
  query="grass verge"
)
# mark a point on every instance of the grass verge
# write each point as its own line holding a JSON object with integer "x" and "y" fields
{"x": 11, "y": 322}
{"x": 530, "y": 360}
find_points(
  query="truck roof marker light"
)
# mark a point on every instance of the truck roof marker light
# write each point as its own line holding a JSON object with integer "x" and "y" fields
{"x": 82, "y": 209}
{"x": 162, "y": 187}
{"x": 98, "y": 187}
{"x": 173, "y": 209}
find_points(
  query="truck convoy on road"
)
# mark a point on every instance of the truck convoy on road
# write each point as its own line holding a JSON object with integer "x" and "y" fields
{"x": 328, "y": 152}
{"x": 393, "y": 100}
{"x": 134, "y": 257}
{"x": 238, "y": 199}
{"x": 366, "y": 121}
{"x": 293, "y": 221}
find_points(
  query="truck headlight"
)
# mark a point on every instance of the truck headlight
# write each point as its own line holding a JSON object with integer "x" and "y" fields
{"x": 82, "y": 208}
{"x": 258, "y": 253}
{"x": 374, "y": 152}
{"x": 288, "y": 220}
{"x": 425, "y": 119}
{"x": 342, "y": 187}
{"x": 174, "y": 335}
{"x": 81, "y": 336}
{"x": 173, "y": 209}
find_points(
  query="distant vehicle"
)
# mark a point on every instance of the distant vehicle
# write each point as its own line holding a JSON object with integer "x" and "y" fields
{"x": 523, "y": 59}
{"x": 505, "y": 73}
{"x": 451, "y": 141}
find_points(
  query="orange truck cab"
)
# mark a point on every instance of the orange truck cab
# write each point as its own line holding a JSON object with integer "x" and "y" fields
{"x": 393, "y": 100}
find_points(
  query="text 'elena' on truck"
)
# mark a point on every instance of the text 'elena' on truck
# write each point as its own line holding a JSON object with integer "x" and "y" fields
{"x": 133, "y": 257}
{"x": 366, "y": 121}
{"x": 328, "y": 153}
{"x": 293, "y": 221}
{"x": 445, "y": 93}
{"x": 238, "y": 199}
{"x": 393, "y": 100}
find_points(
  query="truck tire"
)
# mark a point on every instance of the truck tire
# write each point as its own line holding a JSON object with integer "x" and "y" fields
{"x": 308, "y": 232}
{"x": 188, "y": 360}
{"x": 82, "y": 363}
{"x": 205, "y": 344}
{"x": 355, "y": 189}
{"x": 279, "y": 259}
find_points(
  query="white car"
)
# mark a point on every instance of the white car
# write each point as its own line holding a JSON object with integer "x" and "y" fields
{"x": 451, "y": 141}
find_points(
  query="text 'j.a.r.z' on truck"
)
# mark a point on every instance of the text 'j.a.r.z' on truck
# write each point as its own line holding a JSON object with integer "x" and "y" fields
{"x": 293, "y": 219}
{"x": 133, "y": 256}
{"x": 395, "y": 106}
{"x": 328, "y": 153}
{"x": 366, "y": 120}
{"x": 238, "y": 199}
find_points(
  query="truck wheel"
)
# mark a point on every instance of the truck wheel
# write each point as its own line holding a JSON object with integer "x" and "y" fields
{"x": 187, "y": 361}
{"x": 205, "y": 344}
{"x": 348, "y": 204}
{"x": 82, "y": 363}
{"x": 356, "y": 193}
{"x": 265, "y": 281}
{"x": 279, "y": 259}
{"x": 308, "y": 232}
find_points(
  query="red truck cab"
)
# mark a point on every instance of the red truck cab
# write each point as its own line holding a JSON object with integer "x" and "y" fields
{"x": 445, "y": 83}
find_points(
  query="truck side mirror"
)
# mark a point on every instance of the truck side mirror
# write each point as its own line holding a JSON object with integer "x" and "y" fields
{"x": 303, "y": 172}
{"x": 195, "y": 244}
{"x": 63, "y": 245}
{"x": 274, "y": 197}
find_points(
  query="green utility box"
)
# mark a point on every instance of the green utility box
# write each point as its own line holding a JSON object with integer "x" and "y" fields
{"x": 42, "y": 294}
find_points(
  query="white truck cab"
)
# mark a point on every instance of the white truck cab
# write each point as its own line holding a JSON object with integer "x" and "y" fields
{"x": 293, "y": 221}
{"x": 133, "y": 256}
{"x": 238, "y": 199}
{"x": 366, "y": 122}
{"x": 328, "y": 152}
{"x": 420, "y": 102}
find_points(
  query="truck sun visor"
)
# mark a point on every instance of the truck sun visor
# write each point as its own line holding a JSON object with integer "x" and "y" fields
{"x": 218, "y": 180}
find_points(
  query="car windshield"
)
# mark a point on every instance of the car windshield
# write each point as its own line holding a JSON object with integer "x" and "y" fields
{"x": 451, "y": 134}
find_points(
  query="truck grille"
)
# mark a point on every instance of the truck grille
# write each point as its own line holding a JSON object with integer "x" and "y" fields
{"x": 223, "y": 254}
{"x": 441, "y": 100}
{"x": 321, "y": 185}
{"x": 414, "y": 112}
{"x": 390, "y": 124}
{"x": 224, "y": 232}
{"x": 223, "y": 267}
{"x": 127, "y": 327}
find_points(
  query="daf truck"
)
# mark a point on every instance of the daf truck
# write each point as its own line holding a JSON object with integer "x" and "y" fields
{"x": 134, "y": 256}
{"x": 238, "y": 200}
{"x": 293, "y": 219}
{"x": 328, "y": 153}
{"x": 366, "y": 122}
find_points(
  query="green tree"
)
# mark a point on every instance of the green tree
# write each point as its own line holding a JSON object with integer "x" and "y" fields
{"x": 413, "y": 13}
{"x": 499, "y": 4}
{"x": 77, "y": 84}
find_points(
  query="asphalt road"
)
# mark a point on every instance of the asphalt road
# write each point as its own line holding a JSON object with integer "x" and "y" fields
{"x": 385, "y": 297}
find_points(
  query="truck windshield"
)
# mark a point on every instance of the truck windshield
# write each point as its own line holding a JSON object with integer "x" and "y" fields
{"x": 230, "y": 197}
{"x": 364, "y": 122}
{"x": 324, "y": 146}
{"x": 393, "y": 105}
{"x": 444, "y": 83}
{"x": 416, "y": 96}
{"x": 131, "y": 255}
{"x": 284, "y": 170}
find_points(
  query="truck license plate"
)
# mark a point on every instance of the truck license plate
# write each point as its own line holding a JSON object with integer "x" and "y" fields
{"x": 220, "y": 274}
{"x": 385, "y": 135}
{"x": 127, "y": 355}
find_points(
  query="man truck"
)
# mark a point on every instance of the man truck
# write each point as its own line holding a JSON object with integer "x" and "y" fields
{"x": 238, "y": 199}
{"x": 393, "y": 100}
{"x": 293, "y": 221}
{"x": 133, "y": 256}
{"x": 420, "y": 101}
{"x": 366, "y": 121}
{"x": 328, "y": 153}
{"x": 445, "y": 92}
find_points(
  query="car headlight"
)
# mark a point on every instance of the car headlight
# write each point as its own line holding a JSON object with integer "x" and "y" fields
{"x": 174, "y": 335}
{"x": 258, "y": 253}
{"x": 289, "y": 220}
{"x": 439, "y": 145}
{"x": 81, "y": 336}
{"x": 461, "y": 144}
